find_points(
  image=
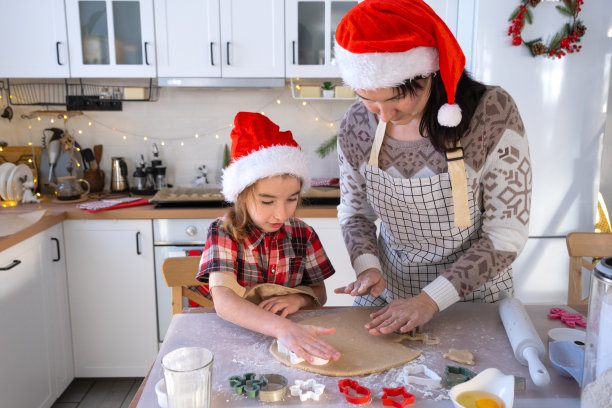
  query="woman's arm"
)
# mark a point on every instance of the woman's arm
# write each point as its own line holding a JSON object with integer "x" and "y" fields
{"x": 301, "y": 339}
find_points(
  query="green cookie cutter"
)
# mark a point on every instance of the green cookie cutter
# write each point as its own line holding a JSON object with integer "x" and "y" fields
{"x": 247, "y": 384}
{"x": 456, "y": 375}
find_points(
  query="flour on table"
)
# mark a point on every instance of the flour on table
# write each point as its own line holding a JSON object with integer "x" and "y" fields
{"x": 598, "y": 394}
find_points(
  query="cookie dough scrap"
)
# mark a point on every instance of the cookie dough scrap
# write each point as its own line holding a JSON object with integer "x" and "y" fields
{"x": 460, "y": 356}
{"x": 426, "y": 338}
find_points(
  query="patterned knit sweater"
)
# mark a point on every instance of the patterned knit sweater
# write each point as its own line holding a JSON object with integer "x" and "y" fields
{"x": 498, "y": 170}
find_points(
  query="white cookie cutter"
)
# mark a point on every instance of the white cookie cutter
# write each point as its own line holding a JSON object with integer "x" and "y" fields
{"x": 308, "y": 389}
{"x": 430, "y": 379}
{"x": 295, "y": 359}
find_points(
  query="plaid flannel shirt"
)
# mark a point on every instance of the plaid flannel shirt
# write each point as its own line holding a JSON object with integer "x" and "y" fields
{"x": 292, "y": 256}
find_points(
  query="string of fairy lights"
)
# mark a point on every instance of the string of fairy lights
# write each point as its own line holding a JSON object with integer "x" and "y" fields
{"x": 78, "y": 123}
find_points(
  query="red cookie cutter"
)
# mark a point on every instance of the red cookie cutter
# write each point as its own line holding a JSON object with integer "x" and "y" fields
{"x": 396, "y": 392}
{"x": 346, "y": 385}
{"x": 570, "y": 319}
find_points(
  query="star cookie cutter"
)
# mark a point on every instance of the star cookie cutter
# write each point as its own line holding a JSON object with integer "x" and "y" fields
{"x": 294, "y": 359}
{"x": 247, "y": 384}
{"x": 274, "y": 389}
{"x": 456, "y": 375}
{"x": 570, "y": 319}
{"x": 308, "y": 389}
{"x": 429, "y": 378}
{"x": 363, "y": 393}
{"x": 389, "y": 393}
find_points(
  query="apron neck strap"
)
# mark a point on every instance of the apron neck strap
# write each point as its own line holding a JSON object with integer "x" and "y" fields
{"x": 378, "y": 140}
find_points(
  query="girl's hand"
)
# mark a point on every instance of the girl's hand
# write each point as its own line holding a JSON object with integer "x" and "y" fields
{"x": 304, "y": 342}
{"x": 285, "y": 305}
{"x": 403, "y": 315}
{"x": 369, "y": 281}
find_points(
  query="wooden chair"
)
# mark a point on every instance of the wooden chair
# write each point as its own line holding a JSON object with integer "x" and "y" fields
{"x": 579, "y": 246}
{"x": 179, "y": 274}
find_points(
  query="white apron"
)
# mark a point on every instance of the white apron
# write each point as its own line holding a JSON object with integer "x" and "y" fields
{"x": 418, "y": 238}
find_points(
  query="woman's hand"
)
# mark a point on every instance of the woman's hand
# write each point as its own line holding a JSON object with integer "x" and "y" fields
{"x": 285, "y": 305}
{"x": 403, "y": 315}
{"x": 369, "y": 281}
{"x": 304, "y": 342}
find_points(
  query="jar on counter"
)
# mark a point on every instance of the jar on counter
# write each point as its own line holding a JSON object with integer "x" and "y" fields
{"x": 597, "y": 369}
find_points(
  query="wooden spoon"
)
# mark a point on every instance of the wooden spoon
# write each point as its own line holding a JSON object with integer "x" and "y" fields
{"x": 98, "y": 154}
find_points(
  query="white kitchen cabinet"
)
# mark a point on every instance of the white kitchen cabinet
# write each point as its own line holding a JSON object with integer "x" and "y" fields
{"x": 311, "y": 28}
{"x": 111, "y": 38}
{"x": 111, "y": 283}
{"x": 35, "y": 44}
{"x": 309, "y": 42}
{"x": 219, "y": 39}
{"x": 35, "y": 348}
{"x": 330, "y": 234}
{"x": 59, "y": 331}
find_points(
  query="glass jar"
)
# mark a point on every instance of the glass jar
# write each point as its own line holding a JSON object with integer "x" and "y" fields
{"x": 597, "y": 369}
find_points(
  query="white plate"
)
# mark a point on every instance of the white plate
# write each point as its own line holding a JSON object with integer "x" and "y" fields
{"x": 14, "y": 184}
{"x": 5, "y": 171}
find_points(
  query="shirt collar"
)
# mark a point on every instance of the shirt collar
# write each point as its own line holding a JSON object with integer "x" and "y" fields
{"x": 255, "y": 236}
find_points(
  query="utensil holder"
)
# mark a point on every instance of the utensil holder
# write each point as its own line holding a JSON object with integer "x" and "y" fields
{"x": 96, "y": 180}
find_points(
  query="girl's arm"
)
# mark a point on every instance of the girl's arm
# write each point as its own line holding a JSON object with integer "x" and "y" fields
{"x": 301, "y": 339}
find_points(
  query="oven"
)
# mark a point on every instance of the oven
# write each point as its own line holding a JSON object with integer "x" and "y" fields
{"x": 174, "y": 237}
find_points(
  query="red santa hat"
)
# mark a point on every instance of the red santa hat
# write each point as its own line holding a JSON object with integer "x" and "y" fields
{"x": 382, "y": 43}
{"x": 260, "y": 150}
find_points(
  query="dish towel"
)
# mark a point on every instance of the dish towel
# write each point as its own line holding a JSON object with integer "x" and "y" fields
{"x": 113, "y": 204}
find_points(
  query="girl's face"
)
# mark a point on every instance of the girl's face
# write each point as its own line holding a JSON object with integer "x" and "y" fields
{"x": 389, "y": 106}
{"x": 274, "y": 200}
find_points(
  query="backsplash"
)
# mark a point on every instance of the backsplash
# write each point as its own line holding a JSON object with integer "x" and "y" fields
{"x": 173, "y": 122}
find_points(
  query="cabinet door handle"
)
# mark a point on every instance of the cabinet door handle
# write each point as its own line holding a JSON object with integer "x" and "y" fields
{"x": 11, "y": 265}
{"x": 58, "y": 249}
{"x": 212, "y": 56}
{"x": 138, "y": 252}
{"x": 146, "y": 53}
{"x": 293, "y": 51}
{"x": 227, "y": 49}
{"x": 57, "y": 53}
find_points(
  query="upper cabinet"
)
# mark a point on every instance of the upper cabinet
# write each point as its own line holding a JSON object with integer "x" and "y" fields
{"x": 311, "y": 28}
{"x": 36, "y": 45}
{"x": 111, "y": 38}
{"x": 219, "y": 39}
{"x": 309, "y": 45}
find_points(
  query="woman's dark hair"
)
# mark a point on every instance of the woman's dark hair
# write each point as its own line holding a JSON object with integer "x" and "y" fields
{"x": 467, "y": 96}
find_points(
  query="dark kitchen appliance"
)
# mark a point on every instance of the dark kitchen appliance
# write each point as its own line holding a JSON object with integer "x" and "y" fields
{"x": 119, "y": 171}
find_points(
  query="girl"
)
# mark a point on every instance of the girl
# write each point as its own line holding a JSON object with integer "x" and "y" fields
{"x": 259, "y": 250}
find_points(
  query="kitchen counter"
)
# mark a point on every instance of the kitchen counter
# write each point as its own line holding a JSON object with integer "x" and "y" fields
{"x": 476, "y": 327}
{"x": 58, "y": 211}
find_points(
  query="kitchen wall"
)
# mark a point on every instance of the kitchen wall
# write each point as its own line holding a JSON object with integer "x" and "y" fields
{"x": 180, "y": 114}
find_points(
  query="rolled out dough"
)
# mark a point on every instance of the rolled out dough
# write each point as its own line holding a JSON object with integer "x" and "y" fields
{"x": 361, "y": 353}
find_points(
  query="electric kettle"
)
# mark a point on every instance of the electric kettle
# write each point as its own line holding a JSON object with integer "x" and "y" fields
{"x": 119, "y": 173}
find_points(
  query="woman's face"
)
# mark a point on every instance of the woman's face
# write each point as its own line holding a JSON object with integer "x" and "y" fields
{"x": 390, "y": 106}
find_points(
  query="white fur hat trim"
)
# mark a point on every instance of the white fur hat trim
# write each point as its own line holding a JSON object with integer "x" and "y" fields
{"x": 449, "y": 115}
{"x": 376, "y": 70}
{"x": 266, "y": 162}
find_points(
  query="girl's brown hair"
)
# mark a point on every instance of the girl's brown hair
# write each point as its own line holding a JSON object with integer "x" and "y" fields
{"x": 237, "y": 218}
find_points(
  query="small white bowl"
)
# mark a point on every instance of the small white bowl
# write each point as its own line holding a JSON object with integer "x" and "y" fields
{"x": 162, "y": 396}
{"x": 490, "y": 380}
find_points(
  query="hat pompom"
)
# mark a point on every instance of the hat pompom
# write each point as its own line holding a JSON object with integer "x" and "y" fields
{"x": 449, "y": 115}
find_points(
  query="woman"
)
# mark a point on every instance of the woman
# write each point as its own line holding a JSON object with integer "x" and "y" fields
{"x": 439, "y": 158}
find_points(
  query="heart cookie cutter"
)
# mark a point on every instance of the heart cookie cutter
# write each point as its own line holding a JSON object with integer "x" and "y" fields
{"x": 456, "y": 375}
{"x": 429, "y": 378}
{"x": 390, "y": 393}
{"x": 363, "y": 393}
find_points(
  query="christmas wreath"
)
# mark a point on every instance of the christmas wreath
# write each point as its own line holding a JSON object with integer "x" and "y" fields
{"x": 562, "y": 43}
